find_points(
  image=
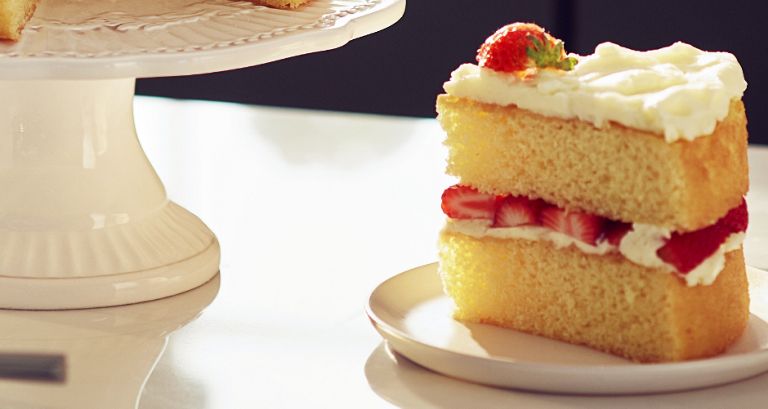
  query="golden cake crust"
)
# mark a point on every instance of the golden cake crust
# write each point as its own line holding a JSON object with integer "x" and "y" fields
{"x": 604, "y": 302}
{"x": 614, "y": 171}
{"x": 283, "y": 4}
{"x": 13, "y": 15}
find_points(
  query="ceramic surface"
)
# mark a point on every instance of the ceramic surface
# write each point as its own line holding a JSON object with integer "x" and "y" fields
{"x": 84, "y": 219}
{"x": 414, "y": 316}
{"x": 80, "y": 39}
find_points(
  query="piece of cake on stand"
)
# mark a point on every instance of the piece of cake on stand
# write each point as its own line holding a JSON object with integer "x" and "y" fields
{"x": 84, "y": 219}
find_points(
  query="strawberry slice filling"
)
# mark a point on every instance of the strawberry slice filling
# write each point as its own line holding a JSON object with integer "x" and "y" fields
{"x": 684, "y": 251}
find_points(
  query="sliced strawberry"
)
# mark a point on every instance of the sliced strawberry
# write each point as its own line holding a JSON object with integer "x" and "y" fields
{"x": 615, "y": 231}
{"x": 737, "y": 219}
{"x": 555, "y": 218}
{"x": 687, "y": 250}
{"x": 517, "y": 211}
{"x": 579, "y": 225}
{"x": 464, "y": 202}
{"x": 585, "y": 227}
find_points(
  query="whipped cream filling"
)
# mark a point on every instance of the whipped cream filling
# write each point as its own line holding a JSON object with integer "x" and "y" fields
{"x": 678, "y": 91}
{"x": 639, "y": 245}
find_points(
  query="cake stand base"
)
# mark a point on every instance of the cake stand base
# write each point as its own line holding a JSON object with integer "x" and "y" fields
{"x": 84, "y": 219}
{"x": 110, "y": 290}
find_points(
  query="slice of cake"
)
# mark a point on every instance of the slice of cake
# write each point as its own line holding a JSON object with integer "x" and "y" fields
{"x": 283, "y": 4}
{"x": 13, "y": 15}
{"x": 600, "y": 197}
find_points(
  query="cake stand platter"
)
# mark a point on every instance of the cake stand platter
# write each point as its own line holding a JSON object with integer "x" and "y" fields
{"x": 84, "y": 219}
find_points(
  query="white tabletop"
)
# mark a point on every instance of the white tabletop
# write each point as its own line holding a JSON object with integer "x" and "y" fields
{"x": 313, "y": 210}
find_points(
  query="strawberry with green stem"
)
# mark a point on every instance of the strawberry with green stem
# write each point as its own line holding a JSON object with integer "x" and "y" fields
{"x": 522, "y": 48}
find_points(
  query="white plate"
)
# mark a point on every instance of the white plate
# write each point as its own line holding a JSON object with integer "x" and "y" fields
{"x": 85, "y": 39}
{"x": 412, "y": 314}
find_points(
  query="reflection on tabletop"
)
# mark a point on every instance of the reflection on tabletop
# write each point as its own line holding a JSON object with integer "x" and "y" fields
{"x": 110, "y": 352}
{"x": 407, "y": 385}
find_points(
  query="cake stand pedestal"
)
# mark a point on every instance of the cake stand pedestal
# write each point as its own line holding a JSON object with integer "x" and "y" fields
{"x": 84, "y": 219}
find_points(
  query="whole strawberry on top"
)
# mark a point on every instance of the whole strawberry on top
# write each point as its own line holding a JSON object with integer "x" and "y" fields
{"x": 522, "y": 48}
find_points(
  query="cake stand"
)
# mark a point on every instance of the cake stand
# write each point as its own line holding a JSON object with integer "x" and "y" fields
{"x": 84, "y": 219}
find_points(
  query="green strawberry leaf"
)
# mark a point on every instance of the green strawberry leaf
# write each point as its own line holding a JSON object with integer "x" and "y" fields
{"x": 548, "y": 54}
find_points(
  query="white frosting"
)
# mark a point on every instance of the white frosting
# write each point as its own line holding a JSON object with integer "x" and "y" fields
{"x": 679, "y": 90}
{"x": 482, "y": 228}
{"x": 639, "y": 245}
{"x": 642, "y": 242}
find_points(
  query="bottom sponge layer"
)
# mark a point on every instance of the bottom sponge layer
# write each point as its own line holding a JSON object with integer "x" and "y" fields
{"x": 601, "y": 301}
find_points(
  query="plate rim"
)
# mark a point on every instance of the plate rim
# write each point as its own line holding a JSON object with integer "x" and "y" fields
{"x": 722, "y": 363}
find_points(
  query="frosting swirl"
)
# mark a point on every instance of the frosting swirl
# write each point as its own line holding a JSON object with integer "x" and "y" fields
{"x": 678, "y": 91}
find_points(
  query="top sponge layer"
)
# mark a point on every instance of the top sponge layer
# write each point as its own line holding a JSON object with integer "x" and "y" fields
{"x": 618, "y": 172}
